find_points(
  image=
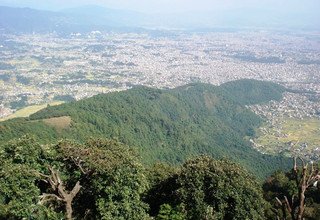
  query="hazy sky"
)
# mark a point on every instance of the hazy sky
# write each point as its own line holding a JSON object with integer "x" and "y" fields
{"x": 151, "y": 6}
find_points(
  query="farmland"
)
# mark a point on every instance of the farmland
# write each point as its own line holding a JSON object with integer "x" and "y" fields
{"x": 291, "y": 136}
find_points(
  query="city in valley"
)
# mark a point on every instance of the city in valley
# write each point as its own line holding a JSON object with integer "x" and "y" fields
{"x": 40, "y": 69}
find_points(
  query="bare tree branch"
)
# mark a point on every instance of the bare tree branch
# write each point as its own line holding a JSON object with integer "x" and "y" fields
{"x": 295, "y": 164}
{"x": 288, "y": 206}
{"x": 304, "y": 180}
{"x": 279, "y": 201}
{"x": 44, "y": 198}
{"x": 63, "y": 195}
{"x": 77, "y": 161}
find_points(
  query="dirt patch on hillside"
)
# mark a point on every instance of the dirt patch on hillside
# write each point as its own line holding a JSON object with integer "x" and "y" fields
{"x": 59, "y": 123}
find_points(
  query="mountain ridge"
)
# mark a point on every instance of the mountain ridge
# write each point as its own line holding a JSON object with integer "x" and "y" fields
{"x": 164, "y": 125}
{"x": 27, "y": 20}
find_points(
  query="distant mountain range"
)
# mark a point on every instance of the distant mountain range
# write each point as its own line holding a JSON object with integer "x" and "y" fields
{"x": 83, "y": 19}
{"x": 164, "y": 125}
{"x": 29, "y": 20}
{"x": 89, "y": 18}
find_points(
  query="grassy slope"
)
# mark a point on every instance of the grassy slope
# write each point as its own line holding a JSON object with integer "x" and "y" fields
{"x": 168, "y": 125}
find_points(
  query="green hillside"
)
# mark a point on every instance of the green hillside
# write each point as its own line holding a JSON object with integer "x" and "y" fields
{"x": 164, "y": 125}
{"x": 249, "y": 92}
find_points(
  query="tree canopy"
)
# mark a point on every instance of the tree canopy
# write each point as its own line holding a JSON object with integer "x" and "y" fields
{"x": 105, "y": 179}
{"x": 109, "y": 175}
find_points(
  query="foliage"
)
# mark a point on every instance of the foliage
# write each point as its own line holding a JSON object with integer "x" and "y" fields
{"x": 219, "y": 189}
{"x": 19, "y": 193}
{"x": 279, "y": 185}
{"x": 204, "y": 188}
{"x": 112, "y": 178}
{"x": 168, "y": 213}
{"x": 115, "y": 185}
{"x": 163, "y": 185}
{"x": 16, "y": 190}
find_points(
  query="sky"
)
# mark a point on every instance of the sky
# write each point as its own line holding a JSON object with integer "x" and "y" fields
{"x": 171, "y": 6}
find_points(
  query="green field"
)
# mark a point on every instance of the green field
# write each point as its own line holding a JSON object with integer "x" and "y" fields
{"x": 290, "y": 130}
{"x": 29, "y": 110}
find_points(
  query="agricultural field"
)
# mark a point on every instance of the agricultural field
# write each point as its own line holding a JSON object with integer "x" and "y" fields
{"x": 290, "y": 136}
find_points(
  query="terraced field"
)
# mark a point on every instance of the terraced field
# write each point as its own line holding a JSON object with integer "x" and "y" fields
{"x": 290, "y": 136}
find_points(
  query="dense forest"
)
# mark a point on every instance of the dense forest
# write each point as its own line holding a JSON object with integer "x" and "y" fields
{"x": 105, "y": 179}
{"x": 164, "y": 125}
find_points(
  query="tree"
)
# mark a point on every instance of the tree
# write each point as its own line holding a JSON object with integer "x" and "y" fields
{"x": 17, "y": 189}
{"x": 112, "y": 179}
{"x": 19, "y": 192}
{"x": 102, "y": 179}
{"x": 59, "y": 191}
{"x": 219, "y": 189}
{"x": 162, "y": 189}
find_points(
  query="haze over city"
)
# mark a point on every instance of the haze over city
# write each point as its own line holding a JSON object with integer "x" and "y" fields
{"x": 202, "y": 13}
{"x": 310, "y": 6}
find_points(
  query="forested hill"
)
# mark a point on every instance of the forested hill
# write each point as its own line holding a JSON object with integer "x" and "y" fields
{"x": 250, "y": 92}
{"x": 168, "y": 125}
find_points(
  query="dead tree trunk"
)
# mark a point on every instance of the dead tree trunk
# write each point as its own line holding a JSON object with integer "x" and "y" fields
{"x": 303, "y": 182}
{"x": 60, "y": 193}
